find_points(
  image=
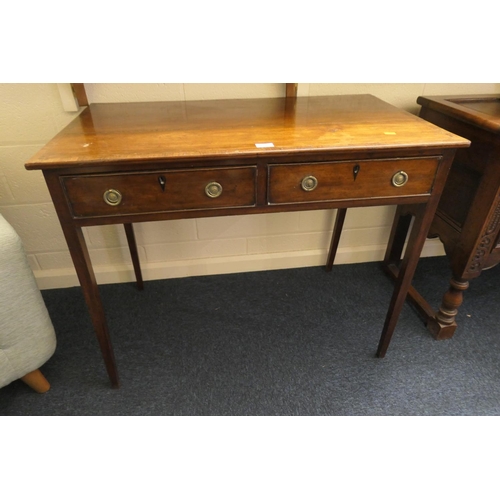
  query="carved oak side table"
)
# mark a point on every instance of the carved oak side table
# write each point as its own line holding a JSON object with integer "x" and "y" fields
{"x": 467, "y": 220}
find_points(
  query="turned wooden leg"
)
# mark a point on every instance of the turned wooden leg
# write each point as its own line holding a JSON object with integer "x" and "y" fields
{"x": 443, "y": 324}
{"x": 36, "y": 381}
{"x": 337, "y": 231}
{"x": 132, "y": 245}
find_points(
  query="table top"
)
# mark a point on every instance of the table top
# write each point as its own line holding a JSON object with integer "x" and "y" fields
{"x": 237, "y": 128}
{"x": 481, "y": 110}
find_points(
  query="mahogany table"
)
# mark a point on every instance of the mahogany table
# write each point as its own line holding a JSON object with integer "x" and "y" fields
{"x": 133, "y": 162}
{"x": 467, "y": 219}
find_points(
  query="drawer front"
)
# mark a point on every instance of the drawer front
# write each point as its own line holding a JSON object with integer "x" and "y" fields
{"x": 317, "y": 182}
{"x": 160, "y": 191}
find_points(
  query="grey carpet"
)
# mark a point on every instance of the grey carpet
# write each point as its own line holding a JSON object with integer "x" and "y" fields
{"x": 288, "y": 342}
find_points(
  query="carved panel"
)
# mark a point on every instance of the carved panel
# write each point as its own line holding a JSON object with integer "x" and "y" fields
{"x": 483, "y": 248}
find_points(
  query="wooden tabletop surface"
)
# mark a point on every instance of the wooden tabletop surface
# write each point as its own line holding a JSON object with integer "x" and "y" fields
{"x": 212, "y": 129}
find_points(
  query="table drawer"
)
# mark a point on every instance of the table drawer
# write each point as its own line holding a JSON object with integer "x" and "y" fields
{"x": 160, "y": 191}
{"x": 316, "y": 182}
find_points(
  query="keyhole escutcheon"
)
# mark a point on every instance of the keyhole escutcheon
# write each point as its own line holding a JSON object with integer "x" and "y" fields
{"x": 355, "y": 171}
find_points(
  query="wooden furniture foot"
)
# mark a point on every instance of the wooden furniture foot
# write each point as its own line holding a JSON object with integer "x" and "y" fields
{"x": 443, "y": 325}
{"x": 452, "y": 300}
{"x": 132, "y": 245}
{"x": 36, "y": 381}
{"x": 440, "y": 331}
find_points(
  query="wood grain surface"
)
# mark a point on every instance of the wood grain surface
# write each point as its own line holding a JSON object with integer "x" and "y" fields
{"x": 236, "y": 128}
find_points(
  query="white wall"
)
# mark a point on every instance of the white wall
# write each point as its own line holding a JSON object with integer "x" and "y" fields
{"x": 31, "y": 114}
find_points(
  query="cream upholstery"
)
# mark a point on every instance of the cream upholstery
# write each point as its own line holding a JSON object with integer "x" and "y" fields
{"x": 27, "y": 337}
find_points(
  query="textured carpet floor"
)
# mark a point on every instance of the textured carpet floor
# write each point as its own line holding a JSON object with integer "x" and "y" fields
{"x": 288, "y": 342}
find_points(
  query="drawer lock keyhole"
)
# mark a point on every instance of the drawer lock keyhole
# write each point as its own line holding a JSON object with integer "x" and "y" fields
{"x": 112, "y": 197}
{"x": 355, "y": 171}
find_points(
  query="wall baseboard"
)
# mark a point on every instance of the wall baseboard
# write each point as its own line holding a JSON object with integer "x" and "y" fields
{"x": 122, "y": 273}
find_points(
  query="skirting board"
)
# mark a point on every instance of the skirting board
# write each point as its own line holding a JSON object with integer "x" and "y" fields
{"x": 122, "y": 273}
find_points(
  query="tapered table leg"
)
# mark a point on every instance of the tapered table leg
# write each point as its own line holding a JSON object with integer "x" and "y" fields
{"x": 440, "y": 323}
{"x": 83, "y": 266}
{"x": 132, "y": 245}
{"x": 397, "y": 239}
{"x": 337, "y": 231}
{"x": 81, "y": 260}
{"x": 416, "y": 242}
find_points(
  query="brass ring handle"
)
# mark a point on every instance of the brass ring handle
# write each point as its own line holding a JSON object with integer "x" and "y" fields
{"x": 309, "y": 183}
{"x": 399, "y": 178}
{"x": 213, "y": 189}
{"x": 112, "y": 197}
